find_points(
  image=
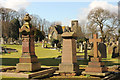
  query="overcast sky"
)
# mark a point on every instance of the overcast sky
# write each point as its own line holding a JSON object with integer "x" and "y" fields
{"x": 64, "y": 10}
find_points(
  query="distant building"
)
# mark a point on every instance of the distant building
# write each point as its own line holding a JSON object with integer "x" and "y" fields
{"x": 76, "y": 28}
{"x": 55, "y": 32}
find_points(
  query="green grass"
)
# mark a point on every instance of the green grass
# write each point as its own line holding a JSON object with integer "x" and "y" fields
{"x": 46, "y": 58}
{"x": 40, "y": 52}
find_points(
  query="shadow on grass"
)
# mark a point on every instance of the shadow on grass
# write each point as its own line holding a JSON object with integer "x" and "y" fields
{"x": 110, "y": 63}
{"x": 48, "y": 62}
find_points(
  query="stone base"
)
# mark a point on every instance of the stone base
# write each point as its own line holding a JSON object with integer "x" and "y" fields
{"x": 36, "y": 74}
{"x": 28, "y": 66}
{"x": 68, "y": 68}
{"x": 68, "y": 74}
{"x": 95, "y": 69}
{"x": 96, "y": 66}
{"x": 95, "y": 74}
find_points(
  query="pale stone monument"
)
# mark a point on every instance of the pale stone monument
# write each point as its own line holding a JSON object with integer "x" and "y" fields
{"x": 69, "y": 61}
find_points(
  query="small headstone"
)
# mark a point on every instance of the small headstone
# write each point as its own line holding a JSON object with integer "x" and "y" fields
{"x": 81, "y": 47}
{"x": 102, "y": 50}
{"x": 55, "y": 46}
{"x": 115, "y": 52}
{"x": 43, "y": 43}
{"x": 1, "y": 40}
{"x": 85, "y": 51}
{"x": 110, "y": 51}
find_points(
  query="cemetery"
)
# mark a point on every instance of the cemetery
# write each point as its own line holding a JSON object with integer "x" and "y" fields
{"x": 68, "y": 64}
{"x": 62, "y": 53}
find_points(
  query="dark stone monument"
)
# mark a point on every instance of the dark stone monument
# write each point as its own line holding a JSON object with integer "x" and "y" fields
{"x": 28, "y": 60}
{"x": 115, "y": 52}
{"x": 69, "y": 61}
{"x": 102, "y": 50}
{"x": 95, "y": 66}
{"x": 85, "y": 51}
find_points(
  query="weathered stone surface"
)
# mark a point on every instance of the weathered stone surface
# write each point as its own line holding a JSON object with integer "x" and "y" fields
{"x": 69, "y": 60}
{"x": 39, "y": 73}
{"x": 85, "y": 51}
{"x": 102, "y": 49}
{"x": 95, "y": 66}
{"x": 28, "y": 60}
{"x": 113, "y": 50}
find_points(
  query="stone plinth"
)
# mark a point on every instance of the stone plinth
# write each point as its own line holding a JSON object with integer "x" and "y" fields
{"x": 28, "y": 60}
{"x": 95, "y": 66}
{"x": 69, "y": 60}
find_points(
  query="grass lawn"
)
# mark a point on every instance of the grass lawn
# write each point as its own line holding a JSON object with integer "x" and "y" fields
{"x": 45, "y": 57}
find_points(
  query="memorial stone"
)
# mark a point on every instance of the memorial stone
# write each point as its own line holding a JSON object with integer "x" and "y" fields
{"x": 95, "y": 66}
{"x": 28, "y": 61}
{"x": 102, "y": 49}
{"x": 69, "y": 60}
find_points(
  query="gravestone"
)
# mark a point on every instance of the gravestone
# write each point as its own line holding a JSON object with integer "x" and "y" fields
{"x": 69, "y": 61}
{"x": 55, "y": 46}
{"x": 85, "y": 51}
{"x": 89, "y": 46}
{"x": 110, "y": 50}
{"x": 10, "y": 41}
{"x": 28, "y": 61}
{"x": 95, "y": 66}
{"x": 115, "y": 52}
{"x": 81, "y": 47}
{"x": 1, "y": 40}
{"x": 102, "y": 49}
{"x": 43, "y": 43}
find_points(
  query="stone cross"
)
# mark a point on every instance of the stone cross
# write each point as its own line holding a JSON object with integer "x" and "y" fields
{"x": 95, "y": 41}
{"x": 95, "y": 66}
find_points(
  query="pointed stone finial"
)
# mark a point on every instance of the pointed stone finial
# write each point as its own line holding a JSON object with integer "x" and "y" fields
{"x": 27, "y": 17}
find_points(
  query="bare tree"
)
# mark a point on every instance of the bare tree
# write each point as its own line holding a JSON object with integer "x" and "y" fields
{"x": 99, "y": 17}
{"x": 91, "y": 29}
{"x": 7, "y": 15}
{"x": 112, "y": 26}
{"x": 21, "y": 14}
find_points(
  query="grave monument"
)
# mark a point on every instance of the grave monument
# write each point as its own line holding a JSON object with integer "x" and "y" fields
{"x": 69, "y": 61}
{"x": 28, "y": 60}
{"x": 95, "y": 67}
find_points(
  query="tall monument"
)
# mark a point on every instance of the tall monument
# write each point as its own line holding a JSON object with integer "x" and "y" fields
{"x": 28, "y": 61}
{"x": 69, "y": 61}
